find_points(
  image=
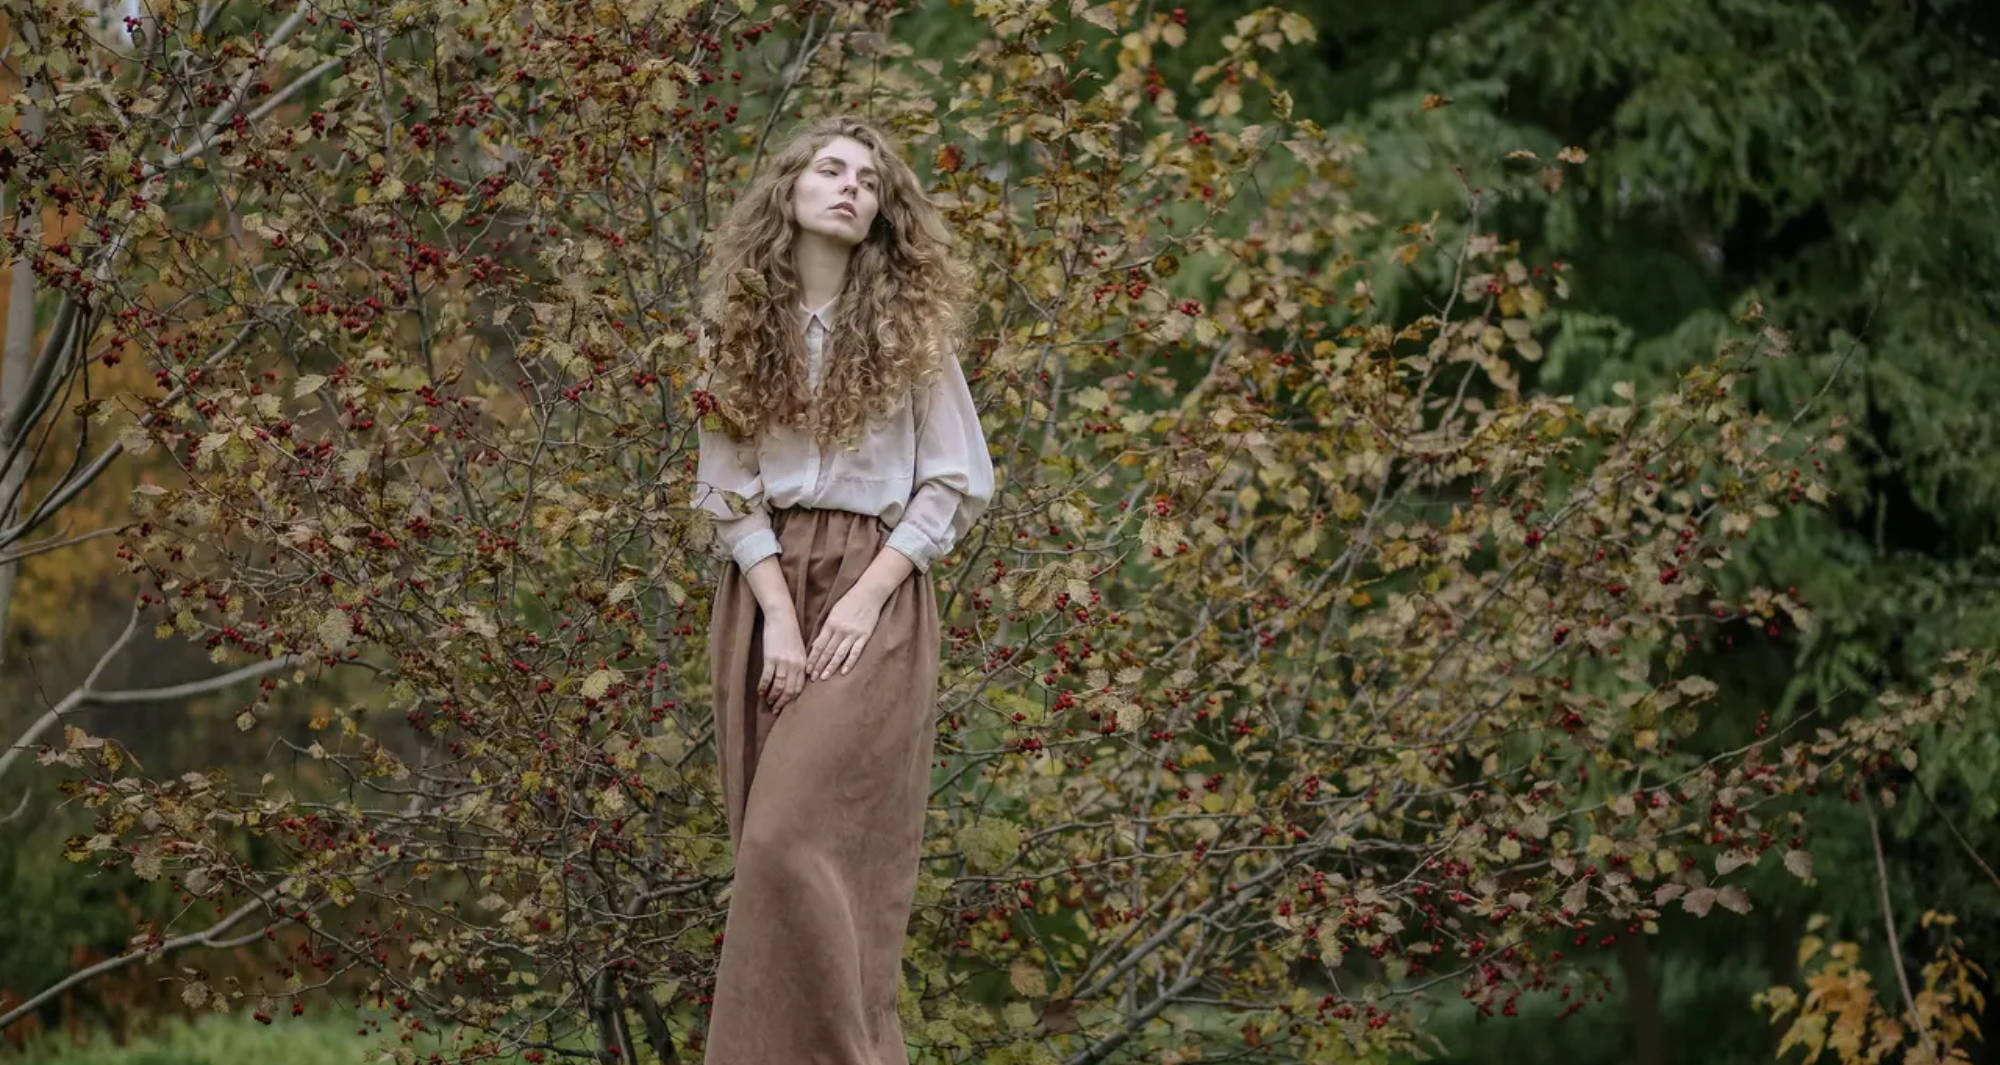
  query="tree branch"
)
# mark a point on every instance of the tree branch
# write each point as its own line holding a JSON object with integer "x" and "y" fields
{"x": 1889, "y": 925}
{"x": 1955, "y": 833}
{"x": 205, "y": 937}
{"x": 60, "y": 495}
{"x": 51, "y": 545}
{"x": 87, "y": 695}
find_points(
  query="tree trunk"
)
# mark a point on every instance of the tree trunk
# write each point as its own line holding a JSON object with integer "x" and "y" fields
{"x": 1642, "y": 1001}
{"x": 17, "y": 356}
{"x": 1782, "y": 928}
{"x": 614, "y": 1038}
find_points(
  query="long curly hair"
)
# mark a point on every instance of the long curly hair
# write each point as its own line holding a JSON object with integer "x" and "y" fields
{"x": 902, "y": 308}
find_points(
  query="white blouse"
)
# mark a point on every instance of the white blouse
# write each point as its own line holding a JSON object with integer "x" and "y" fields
{"x": 925, "y": 471}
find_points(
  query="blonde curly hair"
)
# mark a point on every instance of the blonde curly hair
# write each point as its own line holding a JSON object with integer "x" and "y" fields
{"x": 902, "y": 308}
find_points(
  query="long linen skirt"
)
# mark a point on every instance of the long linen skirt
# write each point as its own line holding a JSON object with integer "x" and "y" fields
{"x": 825, "y": 803}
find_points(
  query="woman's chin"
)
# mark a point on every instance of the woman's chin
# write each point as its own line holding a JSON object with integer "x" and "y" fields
{"x": 845, "y": 234}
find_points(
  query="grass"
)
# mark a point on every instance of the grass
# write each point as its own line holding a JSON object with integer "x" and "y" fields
{"x": 216, "y": 1040}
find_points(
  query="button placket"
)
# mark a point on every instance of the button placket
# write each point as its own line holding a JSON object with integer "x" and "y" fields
{"x": 815, "y": 342}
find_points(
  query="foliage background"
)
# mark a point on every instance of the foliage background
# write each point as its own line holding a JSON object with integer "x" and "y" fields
{"x": 1833, "y": 161}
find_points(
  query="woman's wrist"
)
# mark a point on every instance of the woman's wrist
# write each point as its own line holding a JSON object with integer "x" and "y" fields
{"x": 889, "y": 570}
{"x": 767, "y": 583}
{"x": 871, "y": 590}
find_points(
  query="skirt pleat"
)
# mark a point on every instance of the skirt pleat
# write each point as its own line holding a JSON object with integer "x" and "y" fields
{"x": 825, "y": 804}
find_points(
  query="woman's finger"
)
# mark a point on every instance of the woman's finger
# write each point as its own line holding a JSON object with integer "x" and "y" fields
{"x": 831, "y": 638}
{"x": 833, "y": 659}
{"x": 853, "y": 656}
{"x": 829, "y": 650}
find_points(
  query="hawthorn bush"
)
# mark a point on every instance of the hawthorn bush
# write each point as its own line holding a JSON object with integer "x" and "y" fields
{"x": 1308, "y": 667}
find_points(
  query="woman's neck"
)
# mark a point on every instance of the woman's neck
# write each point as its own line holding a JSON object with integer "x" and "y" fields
{"x": 822, "y": 267}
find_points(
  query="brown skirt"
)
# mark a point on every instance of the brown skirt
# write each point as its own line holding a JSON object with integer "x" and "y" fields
{"x": 825, "y": 803}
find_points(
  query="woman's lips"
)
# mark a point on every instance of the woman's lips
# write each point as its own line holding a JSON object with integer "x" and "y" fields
{"x": 844, "y": 209}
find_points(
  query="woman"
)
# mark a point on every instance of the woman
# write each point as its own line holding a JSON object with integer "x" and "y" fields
{"x": 837, "y": 414}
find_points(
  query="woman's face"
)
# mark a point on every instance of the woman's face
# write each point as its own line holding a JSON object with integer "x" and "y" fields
{"x": 836, "y": 194}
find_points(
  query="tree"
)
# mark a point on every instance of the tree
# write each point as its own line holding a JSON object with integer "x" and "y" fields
{"x": 1308, "y": 664}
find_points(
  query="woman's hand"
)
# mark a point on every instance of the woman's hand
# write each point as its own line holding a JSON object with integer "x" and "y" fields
{"x": 784, "y": 661}
{"x": 845, "y": 632}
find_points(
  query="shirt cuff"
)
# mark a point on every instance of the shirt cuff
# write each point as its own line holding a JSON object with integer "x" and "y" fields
{"x": 912, "y": 542}
{"x": 754, "y": 548}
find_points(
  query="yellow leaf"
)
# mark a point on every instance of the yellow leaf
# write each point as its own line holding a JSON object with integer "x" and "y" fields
{"x": 1100, "y": 16}
{"x": 1028, "y": 979}
{"x": 336, "y": 629}
{"x": 351, "y": 463}
{"x": 135, "y": 440}
{"x": 1532, "y": 301}
{"x": 595, "y": 685}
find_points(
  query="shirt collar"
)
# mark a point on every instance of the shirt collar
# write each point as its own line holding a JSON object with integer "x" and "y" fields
{"x": 824, "y": 313}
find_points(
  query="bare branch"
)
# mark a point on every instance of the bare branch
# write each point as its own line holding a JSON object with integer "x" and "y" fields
{"x": 54, "y": 545}
{"x": 205, "y": 937}
{"x": 1889, "y": 927}
{"x": 1955, "y": 833}
{"x": 86, "y": 695}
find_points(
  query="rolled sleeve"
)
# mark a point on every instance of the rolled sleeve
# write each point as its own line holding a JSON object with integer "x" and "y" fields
{"x": 954, "y": 473}
{"x": 759, "y": 545}
{"x": 727, "y": 464}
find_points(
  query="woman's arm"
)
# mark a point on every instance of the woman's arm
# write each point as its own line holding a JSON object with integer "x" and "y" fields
{"x": 728, "y": 465}
{"x": 889, "y": 568}
{"x": 725, "y": 464}
{"x": 954, "y": 475}
{"x": 953, "y": 482}
{"x": 784, "y": 670}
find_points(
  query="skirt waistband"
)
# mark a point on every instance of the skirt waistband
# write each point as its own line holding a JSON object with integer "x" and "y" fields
{"x": 800, "y": 508}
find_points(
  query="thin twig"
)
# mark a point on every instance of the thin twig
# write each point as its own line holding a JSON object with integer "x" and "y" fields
{"x": 1956, "y": 834}
{"x": 87, "y": 693}
{"x": 1889, "y": 925}
{"x": 51, "y": 545}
